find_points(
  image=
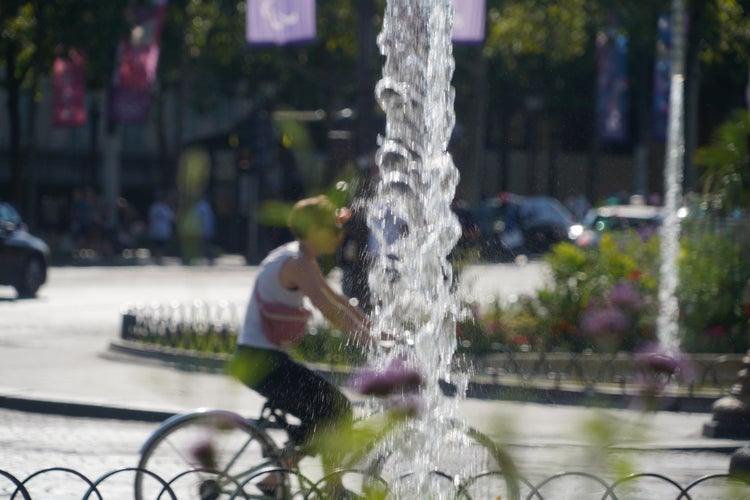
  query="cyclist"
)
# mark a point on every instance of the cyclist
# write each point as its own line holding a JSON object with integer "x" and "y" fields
{"x": 275, "y": 319}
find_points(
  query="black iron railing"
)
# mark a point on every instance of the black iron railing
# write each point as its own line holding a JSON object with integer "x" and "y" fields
{"x": 119, "y": 483}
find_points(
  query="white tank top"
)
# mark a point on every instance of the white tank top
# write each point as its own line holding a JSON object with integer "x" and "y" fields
{"x": 268, "y": 286}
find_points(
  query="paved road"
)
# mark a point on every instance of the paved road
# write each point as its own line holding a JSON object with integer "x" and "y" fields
{"x": 55, "y": 349}
{"x": 96, "y": 447}
{"x": 56, "y": 346}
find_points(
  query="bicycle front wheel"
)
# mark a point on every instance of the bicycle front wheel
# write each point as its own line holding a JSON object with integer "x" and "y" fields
{"x": 209, "y": 455}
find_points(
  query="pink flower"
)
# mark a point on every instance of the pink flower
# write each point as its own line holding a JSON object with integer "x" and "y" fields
{"x": 396, "y": 378}
{"x": 494, "y": 326}
{"x": 716, "y": 331}
{"x": 520, "y": 340}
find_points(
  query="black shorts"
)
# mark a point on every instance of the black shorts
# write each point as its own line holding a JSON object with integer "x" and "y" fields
{"x": 293, "y": 388}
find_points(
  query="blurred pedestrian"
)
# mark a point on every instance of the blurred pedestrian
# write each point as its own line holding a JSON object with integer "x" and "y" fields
{"x": 160, "y": 225}
{"x": 354, "y": 258}
{"x": 466, "y": 250}
{"x": 207, "y": 227}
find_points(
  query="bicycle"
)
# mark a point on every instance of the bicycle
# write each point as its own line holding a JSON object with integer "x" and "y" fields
{"x": 210, "y": 454}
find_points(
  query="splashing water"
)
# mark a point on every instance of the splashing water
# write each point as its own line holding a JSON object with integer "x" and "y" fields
{"x": 411, "y": 218}
{"x": 667, "y": 321}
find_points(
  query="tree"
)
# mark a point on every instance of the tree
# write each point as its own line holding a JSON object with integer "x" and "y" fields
{"x": 33, "y": 33}
{"x": 726, "y": 179}
{"x": 205, "y": 55}
{"x": 545, "y": 48}
{"x": 538, "y": 54}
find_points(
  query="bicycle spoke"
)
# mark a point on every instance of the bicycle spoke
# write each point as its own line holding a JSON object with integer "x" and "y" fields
{"x": 206, "y": 456}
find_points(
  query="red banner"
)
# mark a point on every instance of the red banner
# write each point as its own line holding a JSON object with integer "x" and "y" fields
{"x": 138, "y": 56}
{"x": 69, "y": 91}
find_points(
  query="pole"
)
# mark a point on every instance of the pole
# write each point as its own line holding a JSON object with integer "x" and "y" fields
{"x": 364, "y": 140}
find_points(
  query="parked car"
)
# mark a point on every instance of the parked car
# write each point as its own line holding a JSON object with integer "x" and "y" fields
{"x": 645, "y": 219}
{"x": 514, "y": 225}
{"x": 24, "y": 258}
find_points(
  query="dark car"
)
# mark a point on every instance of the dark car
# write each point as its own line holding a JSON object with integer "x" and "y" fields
{"x": 24, "y": 258}
{"x": 514, "y": 225}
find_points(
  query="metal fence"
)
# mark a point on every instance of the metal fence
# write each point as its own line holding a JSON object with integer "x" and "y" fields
{"x": 582, "y": 485}
{"x": 195, "y": 326}
{"x": 713, "y": 374}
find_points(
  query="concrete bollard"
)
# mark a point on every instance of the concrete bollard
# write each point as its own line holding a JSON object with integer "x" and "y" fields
{"x": 739, "y": 464}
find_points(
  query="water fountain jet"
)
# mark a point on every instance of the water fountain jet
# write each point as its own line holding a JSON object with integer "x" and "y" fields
{"x": 411, "y": 277}
{"x": 668, "y": 318}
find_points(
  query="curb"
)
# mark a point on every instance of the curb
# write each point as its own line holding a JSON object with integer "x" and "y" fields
{"x": 71, "y": 409}
{"x": 479, "y": 388}
{"x": 587, "y": 397}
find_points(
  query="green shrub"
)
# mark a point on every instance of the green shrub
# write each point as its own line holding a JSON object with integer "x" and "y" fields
{"x": 579, "y": 307}
{"x": 582, "y": 307}
{"x": 603, "y": 299}
{"x": 713, "y": 274}
{"x": 325, "y": 344}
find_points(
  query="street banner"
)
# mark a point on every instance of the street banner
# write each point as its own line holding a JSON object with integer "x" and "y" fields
{"x": 69, "y": 90}
{"x": 612, "y": 85}
{"x": 278, "y": 22}
{"x": 662, "y": 78}
{"x": 138, "y": 58}
{"x": 468, "y": 21}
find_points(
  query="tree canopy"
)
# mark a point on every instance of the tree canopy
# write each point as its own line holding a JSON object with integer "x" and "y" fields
{"x": 540, "y": 46}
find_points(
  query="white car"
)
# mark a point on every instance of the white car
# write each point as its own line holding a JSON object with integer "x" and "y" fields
{"x": 645, "y": 219}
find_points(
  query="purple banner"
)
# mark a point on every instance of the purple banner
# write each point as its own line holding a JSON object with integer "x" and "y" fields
{"x": 613, "y": 90}
{"x": 138, "y": 58}
{"x": 468, "y": 21}
{"x": 278, "y": 22}
{"x": 662, "y": 79}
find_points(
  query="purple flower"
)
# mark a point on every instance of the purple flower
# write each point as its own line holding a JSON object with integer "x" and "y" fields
{"x": 625, "y": 296}
{"x": 396, "y": 378}
{"x": 607, "y": 321}
{"x": 659, "y": 362}
{"x": 658, "y": 367}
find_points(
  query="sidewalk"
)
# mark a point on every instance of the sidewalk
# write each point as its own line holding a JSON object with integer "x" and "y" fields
{"x": 152, "y": 388}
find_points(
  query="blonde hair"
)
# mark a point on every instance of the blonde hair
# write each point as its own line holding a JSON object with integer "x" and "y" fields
{"x": 311, "y": 213}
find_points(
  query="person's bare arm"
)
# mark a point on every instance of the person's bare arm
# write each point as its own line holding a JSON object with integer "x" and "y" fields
{"x": 306, "y": 275}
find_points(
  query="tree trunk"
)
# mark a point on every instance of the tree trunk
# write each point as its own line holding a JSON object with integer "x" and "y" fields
{"x": 14, "y": 113}
{"x": 365, "y": 140}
